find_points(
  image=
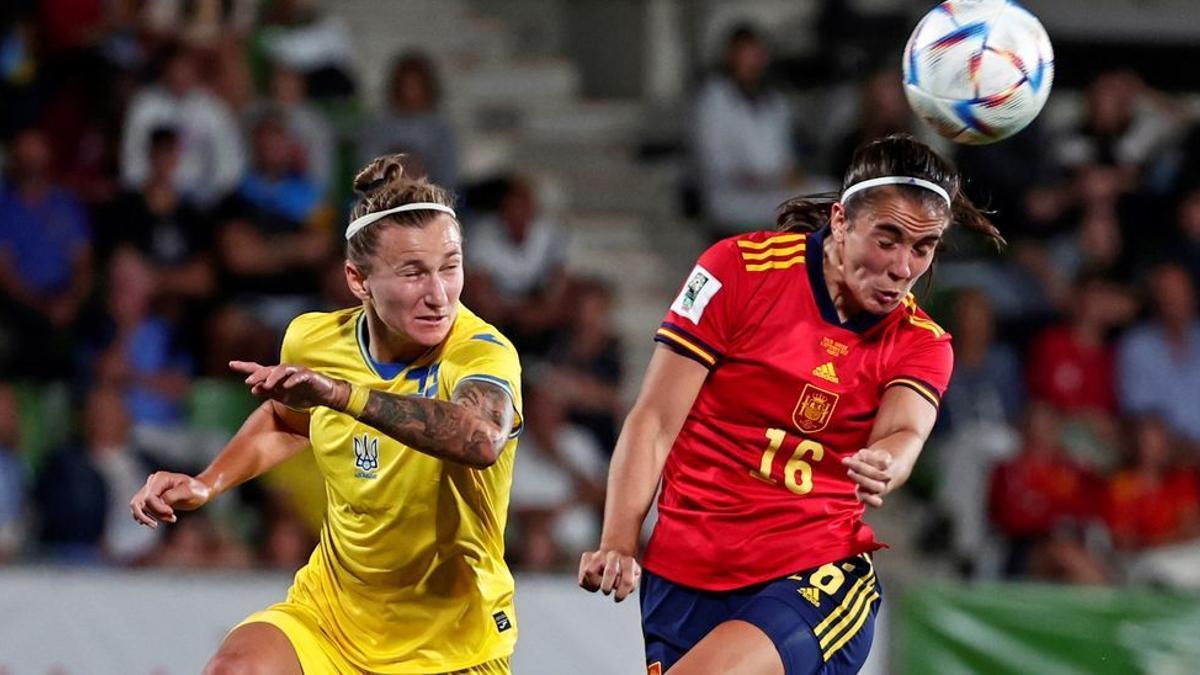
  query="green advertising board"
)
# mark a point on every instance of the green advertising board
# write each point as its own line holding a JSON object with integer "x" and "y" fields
{"x": 1031, "y": 629}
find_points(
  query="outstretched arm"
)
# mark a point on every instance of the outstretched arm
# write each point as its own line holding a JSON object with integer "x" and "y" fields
{"x": 269, "y": 436}
{"x": 471, "y": 428}
{"x": 671, "y": 385}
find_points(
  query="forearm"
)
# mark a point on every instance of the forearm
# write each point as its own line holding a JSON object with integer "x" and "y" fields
{"x": 632, "y": 481}
{"x": 905, "y": 447}
{"x": 263, "y": 442}
{"x": 442, "y": 429}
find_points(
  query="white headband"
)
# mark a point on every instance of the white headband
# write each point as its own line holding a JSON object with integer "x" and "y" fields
{"x": 366, "y": 220}
{"x": 897, "y": 180}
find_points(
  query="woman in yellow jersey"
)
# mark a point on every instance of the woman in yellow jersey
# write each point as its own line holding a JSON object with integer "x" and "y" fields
{"x": 411, "y": 404}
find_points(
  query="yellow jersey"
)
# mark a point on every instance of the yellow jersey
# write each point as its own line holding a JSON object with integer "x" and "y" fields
{"x": 409, "y": 575}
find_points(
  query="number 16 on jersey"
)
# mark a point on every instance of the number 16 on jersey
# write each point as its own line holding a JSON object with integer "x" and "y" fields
{"x": 797, "y": 473}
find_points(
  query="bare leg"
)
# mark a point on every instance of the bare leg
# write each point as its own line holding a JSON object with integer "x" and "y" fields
{"x": 731, "y": 647}
{"x": 255, "y": 649}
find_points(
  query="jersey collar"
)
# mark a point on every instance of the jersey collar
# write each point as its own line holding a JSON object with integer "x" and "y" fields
{"x": 382, "y": 369}
{"x": 815, "y": 266}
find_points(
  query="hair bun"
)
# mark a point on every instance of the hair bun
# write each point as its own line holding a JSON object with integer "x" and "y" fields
{"x": 381, "y": 173}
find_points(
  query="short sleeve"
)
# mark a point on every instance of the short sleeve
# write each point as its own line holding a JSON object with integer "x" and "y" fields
{"x": 701, "y": 321}
{"x": 486, "y": 357}
{"x": 292, "y": 350}
{"x": 924, "y": 366}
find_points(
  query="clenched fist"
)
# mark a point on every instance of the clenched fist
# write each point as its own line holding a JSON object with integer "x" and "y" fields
{"x": 163, "y": 494}
{"x": 609, "y": 572}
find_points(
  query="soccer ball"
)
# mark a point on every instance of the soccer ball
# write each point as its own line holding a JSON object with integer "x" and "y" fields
{"x": 978, "y": 71}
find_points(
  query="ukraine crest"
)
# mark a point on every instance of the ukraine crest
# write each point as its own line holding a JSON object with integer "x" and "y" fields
{"x": 366, "y": 455}
{"x": 814, "y": 409}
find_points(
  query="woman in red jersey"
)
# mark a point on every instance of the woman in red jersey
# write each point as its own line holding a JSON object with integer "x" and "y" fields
{"x": 796, "y": 382}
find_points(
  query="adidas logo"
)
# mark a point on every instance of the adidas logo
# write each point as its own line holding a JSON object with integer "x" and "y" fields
{"x": 825, "y": 371}
{"x": 811, "y": 594}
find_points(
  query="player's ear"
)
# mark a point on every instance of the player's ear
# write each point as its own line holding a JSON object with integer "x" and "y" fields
{"x": 357, "y": 281}
{"x": 837, "y": 221}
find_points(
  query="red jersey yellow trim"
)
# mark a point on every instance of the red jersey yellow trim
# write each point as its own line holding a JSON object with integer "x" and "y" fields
{"x": 675, "y": 339}
{"x": 918, "y": 386}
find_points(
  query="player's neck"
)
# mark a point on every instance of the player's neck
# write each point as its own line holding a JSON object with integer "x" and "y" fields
{"x": 831, "y": 260}
{"x": 387, "y": 346}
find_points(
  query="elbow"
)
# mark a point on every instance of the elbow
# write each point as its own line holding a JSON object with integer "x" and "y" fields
{"x": 484, "y": 447}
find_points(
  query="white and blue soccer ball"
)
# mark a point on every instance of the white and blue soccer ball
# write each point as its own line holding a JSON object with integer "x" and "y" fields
{"x": 978, "y": 71}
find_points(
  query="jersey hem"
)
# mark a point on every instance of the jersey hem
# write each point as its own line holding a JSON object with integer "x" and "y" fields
{"x": 754, "y": 580}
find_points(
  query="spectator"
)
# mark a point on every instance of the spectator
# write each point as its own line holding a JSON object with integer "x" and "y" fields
{"x": 312, "y": 135}
{"x": 986, "y": 383}
{"x": 518, "y": 257}
{"x": 272, "y": 246}
{"x": 278, "y": 190}
{"x": 1071, "y": 365}
{"x": 299, "y": 36}
{"x": 164, "y": 226}
{"x": 212, "y": 159}
{"x": 585, "y": 363}
{"x": 1185, "y": 244}
{"x": 14, "y": 480}
{"x": 1040, "y": 501}
{"x": 558, "y": 484}
{"x": 1158, "y": 361}
{"x": 73, "y": 497}
{"x": 1124, "y": 122}
{"x": 229, "y": 77}
{"x": 45, "y": 262}
{"x": 1019, "y": 180}
{"x": 1095, "y": 237}
{"x": 883, "y": 110}
{"x": 743, "y": 143}
{"x": 110, "y": 452}
{"x": 412, "y": 124}
{"x": 136, "y": 352}
{"x": 1154, "y": 501}
{"x": 975, "y": 426}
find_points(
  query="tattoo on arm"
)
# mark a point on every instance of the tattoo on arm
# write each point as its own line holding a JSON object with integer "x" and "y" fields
{"x": 489, "y": 400}
{"x": 470, "y": 429}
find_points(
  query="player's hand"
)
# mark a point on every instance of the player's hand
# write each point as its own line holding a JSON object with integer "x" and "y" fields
{"x": 165, "y": 493}
{"x": 293, "y": 386}
{"x": 871, "y": 471}
{"x": 610, "y": 572}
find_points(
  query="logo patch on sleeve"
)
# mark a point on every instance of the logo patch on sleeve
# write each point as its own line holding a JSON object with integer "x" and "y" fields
{"x": 700, "y": 289}
{"x": 502, "y": 622}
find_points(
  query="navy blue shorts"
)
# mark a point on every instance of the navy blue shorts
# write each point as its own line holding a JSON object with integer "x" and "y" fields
{"x": 821, "y": 620}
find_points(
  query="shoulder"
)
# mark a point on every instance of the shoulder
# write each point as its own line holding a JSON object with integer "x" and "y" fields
{"x": 312, "y": 328}
{"x": 758, "y": 251}
{"x": 747, "y": 263}
{"x": 918, "y": 328}
{"x": 472, "y": 337}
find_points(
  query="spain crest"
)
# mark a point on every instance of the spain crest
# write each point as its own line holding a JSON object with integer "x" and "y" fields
{"x": 814, "y": 409}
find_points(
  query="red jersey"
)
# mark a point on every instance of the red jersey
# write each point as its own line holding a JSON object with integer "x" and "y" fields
{"x": 1071, "y": 376}
{"x": 754, "y": 487}
{"x": 1152, "y": 512}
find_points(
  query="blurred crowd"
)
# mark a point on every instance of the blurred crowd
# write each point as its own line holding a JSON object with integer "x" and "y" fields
{"x": 175, "y": 190}
{"x": 177, "y": 178}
